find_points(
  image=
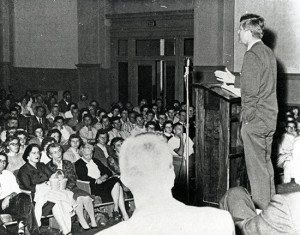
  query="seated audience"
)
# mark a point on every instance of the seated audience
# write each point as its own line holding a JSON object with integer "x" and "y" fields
{"x": 82, "y": 198}
{"x": 139, "y": 127}
{"x": 88, "y": 132}
{"x": 101, "y": 182}
{"x": 150, "y": 126}
{"x": 65, "y": 130}
{"x": 99, "y": 115}
{"x": 72, "y": 153}
{"x": 63, "y": 104}
{"x": 11, "y": 123}
{"x": 161, "y": 120}
{"x": 147, "y": 170}
{"x": 38, "y": 137}
{"x": 102, "y": 149}
{"x": 38, "y": 120}
{"x": 73, "y": 122}
{"x": 22, "y": 120}
{"x": 137, "y": 109}
{"x": 285, "y": 150}
{"x": 39, "y": 102}
{"x": 46, "y": 141}
{"x": 83, "y": 102}
{"x": 129, "y": 106}
{"x": 56, "y": 134}
{"x": 23, "y": 137}
{"x": 280, "y": 217}
{"x": 26, "y": 110}
{"x": 14, "y": 202}
{"x": 116, "y": 131}
{"x": 178, "y": 143}
{"x": 132, "y": 118}
{"x": 114, "y": 111}
{"x": 106, "y": 125}
{"x": 113, "y": 159}
{"x": 144, "y": 110}
{"x": 168, "y": 130}
{"x": 54, "y": 112}
{"x": 34, "y": 176}
{"x": 171, "y": 114}
{"x": 126, "y": 124}
{"x": 69, "y": 114}
{"x": 15, "y": 160}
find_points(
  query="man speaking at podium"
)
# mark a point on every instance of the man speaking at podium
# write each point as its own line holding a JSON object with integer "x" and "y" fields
{"x": 257, "y": 81}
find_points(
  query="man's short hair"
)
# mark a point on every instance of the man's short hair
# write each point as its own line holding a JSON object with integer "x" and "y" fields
{"x": 101, "y": 132}
{"x": 254, "y": 23}
{"x": 145, "y": 160}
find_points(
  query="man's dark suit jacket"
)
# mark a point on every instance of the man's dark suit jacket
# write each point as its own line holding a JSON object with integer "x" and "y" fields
{"x": 62, "y": 105}
{"x": 33, "y": 122}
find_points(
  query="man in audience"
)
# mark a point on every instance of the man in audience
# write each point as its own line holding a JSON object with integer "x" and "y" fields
{"x": 281, "y": 216}
{"x": 11, "y": 123}
{"x": 38, "y": 120}
{"x": 39, "y": 102}
{"x": 22, "y": 120}
{"x": 72, "y": 122}
{"x": 132, "y": 118}
{"x": 83, "y": 102}
{"x": 150, "y": 126}
{"x": 88, "y": 133}
{"x": 54, "y": 113}
{"x": 102, "y": 151}
{"x": 106, "y": 125}
{"x": 171, "y": 113}
{"x": 139, "y": 127}
{"x": 285, "y": 150}
{"x": 161, "y": 120}
{"x": 64, "y": 102}
{"x": 147, "y": 170}
{"x": 116, "y": 131}
{"x": 126, "y": 124}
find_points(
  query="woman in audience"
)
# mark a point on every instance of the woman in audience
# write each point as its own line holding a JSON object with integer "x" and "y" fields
{"x": 34, "y": 176}
{"x": 39, "y": 135}
{"x": 54, "y": 133}
{"x": 72, "y": 154}
{"x": 65, "y": 130}
{"x": 15, "y": 160}
{"x": 101, "y": 182}
{"x": 113, "y": 159}
{"x": 26, "y": 110}
{"x": 46, "y": 141}
{"x": 82, "y": 198}
{"x": 23, "y": 136}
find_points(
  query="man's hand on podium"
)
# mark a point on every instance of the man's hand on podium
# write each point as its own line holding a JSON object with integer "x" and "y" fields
{"x": 226, "y": 77}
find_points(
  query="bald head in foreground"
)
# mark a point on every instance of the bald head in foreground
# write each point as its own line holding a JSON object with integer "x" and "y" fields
{"x": 147, "y": 170}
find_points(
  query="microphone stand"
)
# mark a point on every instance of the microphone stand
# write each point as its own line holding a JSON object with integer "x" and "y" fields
{"x": 186, "y": 79}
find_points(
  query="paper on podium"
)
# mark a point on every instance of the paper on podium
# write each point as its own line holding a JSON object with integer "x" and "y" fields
{"x": 232, "y": 89}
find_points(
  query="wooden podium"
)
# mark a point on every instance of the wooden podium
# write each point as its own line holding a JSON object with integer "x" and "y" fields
{"x": 219, "y": 157}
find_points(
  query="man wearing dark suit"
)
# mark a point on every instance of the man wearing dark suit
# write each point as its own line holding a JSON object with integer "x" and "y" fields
{"x": 38, "y": 120}
{"x": 63, "y": 104}
{"x": 22, "y": 120}
{"x": 259, "y": 107}
{"x": 281, "y": 216}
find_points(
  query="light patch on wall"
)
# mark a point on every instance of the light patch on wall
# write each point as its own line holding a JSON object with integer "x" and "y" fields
{"x": 46, "y": 33}
{"x": 283, "y": 22}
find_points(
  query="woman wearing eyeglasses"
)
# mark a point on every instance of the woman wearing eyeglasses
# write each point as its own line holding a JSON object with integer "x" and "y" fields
{"x": 15, "y": 160}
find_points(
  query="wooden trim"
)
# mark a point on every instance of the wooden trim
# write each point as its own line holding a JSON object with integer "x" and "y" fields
{"x": 186, "y": 14}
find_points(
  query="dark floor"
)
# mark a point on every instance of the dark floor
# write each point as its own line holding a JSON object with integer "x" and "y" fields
{"x": 76, "y": 228}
